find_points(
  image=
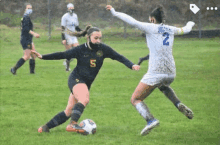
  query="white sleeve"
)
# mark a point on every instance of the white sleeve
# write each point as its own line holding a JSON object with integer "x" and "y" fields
{"x": 184, "y": 30}
{"x": 131, "y": 21}
{"x": 63, "y": 21}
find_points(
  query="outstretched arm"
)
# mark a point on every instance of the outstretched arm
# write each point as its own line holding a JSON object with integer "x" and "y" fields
{"x": 71, "y": 53}
{"x": 110, "y": 53}
{"x": 128, "y": 19}
{"x": 184, "y": 30}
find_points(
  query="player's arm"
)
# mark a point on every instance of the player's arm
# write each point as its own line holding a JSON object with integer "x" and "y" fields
{"x": 184, "y": 30}
{"x": 128, "y": 19}
{"x": 25, "y": 27}
{"x": 63, "y": 24}
{"x": 63, "y": 33}
{"x": 78, "y": 29}
{"x": 71, "y": 53}
{"x": 111, "y": 53}
{"x": 79, "y": 34}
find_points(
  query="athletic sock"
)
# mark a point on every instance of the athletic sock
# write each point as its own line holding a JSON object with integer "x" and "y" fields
{"x": 144, "y": 111}
{"x": 20, "y": 62}
{"x": 57, "y": 120}
{"x": 77, "y": 112}
{"x": 170, "y": 94}
{"x": 32, "y": 65}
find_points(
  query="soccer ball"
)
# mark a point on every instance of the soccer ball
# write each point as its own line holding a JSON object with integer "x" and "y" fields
{"x": 89, "y": 126}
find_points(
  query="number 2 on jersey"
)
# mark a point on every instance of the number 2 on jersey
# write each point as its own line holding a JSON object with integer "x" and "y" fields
{"x": 165, "y": 41}
{"x": 92, "y": 62}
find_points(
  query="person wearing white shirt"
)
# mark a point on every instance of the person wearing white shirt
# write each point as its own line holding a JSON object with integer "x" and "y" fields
{"x": 161, "y": 69}
{"x": 69, "y": 22}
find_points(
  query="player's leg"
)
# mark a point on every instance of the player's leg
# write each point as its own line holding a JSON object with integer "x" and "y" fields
{"x": 81, "y": 94}
{"x": 143, "y": 59}
{"x": 170, "y": 94}
{"x": 32, "y": 60}
{"x": 61, "y": 117}
{"x": 21, "y": 61}
{"x": 141, "y": 92}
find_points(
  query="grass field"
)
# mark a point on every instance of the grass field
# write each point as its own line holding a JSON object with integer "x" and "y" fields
{"x": 29, "y": 101}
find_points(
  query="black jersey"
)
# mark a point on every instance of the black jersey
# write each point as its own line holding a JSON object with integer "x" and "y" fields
{"x": 26, "y": 26}
{"x": 89, "y": 61}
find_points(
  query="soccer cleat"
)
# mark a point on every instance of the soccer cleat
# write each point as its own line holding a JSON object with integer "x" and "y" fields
{"x": 150, "y": 125}
{"x": 32, "y": 72}
{"x": 43, "y": 128}
{"x": 185, "y": 110}
{"x": 13, "y": 71}
{"x": 76, "y": 128}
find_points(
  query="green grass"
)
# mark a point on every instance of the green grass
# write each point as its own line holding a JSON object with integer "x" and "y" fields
{"x": 29, "y": 101}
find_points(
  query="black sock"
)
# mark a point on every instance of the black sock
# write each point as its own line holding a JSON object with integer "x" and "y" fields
{"x": 32, "y": 65}
{"x": 170, "y": 94}
{"x": 57, "y": 120}
{"x": 77, "y": 112}
{"x": 20, "y": 62}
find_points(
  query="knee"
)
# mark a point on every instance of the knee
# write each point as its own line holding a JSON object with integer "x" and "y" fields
{"x": 86, "y": 101}
{"x": 68, "y": 110}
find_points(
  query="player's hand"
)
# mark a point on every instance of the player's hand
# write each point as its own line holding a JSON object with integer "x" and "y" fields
{"x": 36, "y": 53}
{"x": 64, "y": 42}
{"x": 108, "y": 7}
{"x": 136, "y": 67}
{"x": 36, "y": 35}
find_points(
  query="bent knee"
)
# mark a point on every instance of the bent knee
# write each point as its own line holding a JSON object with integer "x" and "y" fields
{"x": 68, "y": 111}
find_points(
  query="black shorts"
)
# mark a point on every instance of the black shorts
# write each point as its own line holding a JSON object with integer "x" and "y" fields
{"x": 75, "y": 79}
{"x": 26, "y": 44}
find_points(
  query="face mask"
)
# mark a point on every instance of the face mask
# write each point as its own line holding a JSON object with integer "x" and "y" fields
{"x": 94, "y": 45}
{"x": 71, "y": 11}
{"x": 28, "y": 12}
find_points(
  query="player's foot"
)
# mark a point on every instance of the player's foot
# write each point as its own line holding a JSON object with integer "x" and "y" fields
{"x": 76, "y": 128}
{"x": 32, "y": 72}
{"x": 140, "y": 61}
{"x": 13, "y": 71}
{"x": 150, "y": 125}
{"x": 185, "y": 110}
{"x": 43, "y": 128}
{"x": 68, "y": 69}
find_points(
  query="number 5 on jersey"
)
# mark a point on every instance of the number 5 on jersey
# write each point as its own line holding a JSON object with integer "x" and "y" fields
{"x": 92, "y": 62}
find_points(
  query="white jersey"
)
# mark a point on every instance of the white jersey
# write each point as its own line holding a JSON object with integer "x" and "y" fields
{"x": 70, "y": 22}
{"x": 159, "y": 39}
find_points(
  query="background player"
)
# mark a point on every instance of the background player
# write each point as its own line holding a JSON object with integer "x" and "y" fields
{"x": 90, "y": 57}
{"x": 161, "y": 68}
{"x": 27, "y": 34}
{"x": 69, "y": 21}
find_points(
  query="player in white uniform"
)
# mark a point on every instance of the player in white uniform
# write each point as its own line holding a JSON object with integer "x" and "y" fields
{"x": 69, "y": 22}
{"x": 161, "y": 69}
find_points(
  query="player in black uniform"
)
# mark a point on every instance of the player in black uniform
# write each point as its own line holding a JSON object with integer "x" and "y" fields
{"x": 90, "y": 57}
{"x": 27, "y": 34}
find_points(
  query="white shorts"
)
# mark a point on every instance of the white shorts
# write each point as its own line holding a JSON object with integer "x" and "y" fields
{"x": 158, "y": 79}
{"x": 71, "y": 39}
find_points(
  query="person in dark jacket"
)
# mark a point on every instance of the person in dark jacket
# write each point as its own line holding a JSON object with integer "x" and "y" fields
{"x": 90, "y": 57}
{"x": 27, "y": 34}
